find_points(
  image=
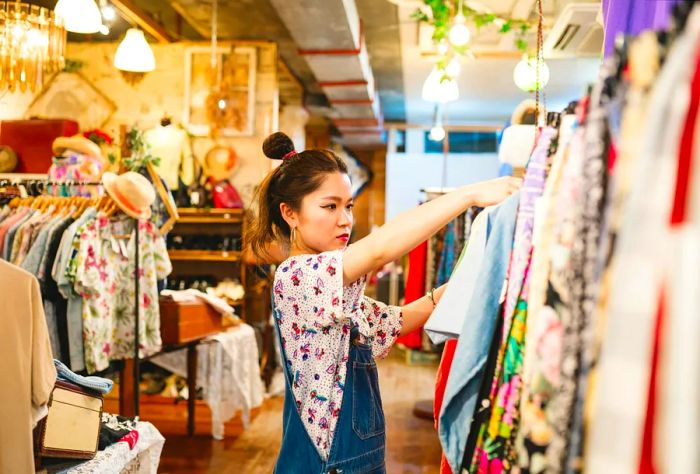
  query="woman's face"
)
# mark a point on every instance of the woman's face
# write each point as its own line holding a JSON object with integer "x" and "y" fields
{"x": 325, "y": 220}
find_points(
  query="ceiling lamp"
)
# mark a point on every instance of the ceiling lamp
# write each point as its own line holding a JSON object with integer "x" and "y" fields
{"x": 440, "y": 88}
{"x": 134, "y": 54}
{"x": 525, "y": 74}
{"x": 32, "y": 45}
{"x": 79, "y": 16}
{"x": 459, "y": 33}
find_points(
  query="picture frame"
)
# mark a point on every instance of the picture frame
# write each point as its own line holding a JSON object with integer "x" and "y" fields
{"x": 231, "y": 105}
{"x": 71, "y": 94}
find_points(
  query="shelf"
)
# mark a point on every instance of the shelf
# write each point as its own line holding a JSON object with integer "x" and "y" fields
{"x": 190, "y": 215}
{"x": 205, "y": 255}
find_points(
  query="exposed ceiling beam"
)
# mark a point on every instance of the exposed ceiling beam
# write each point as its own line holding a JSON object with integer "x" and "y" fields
{"x": 205, "y": 32}
{"x": 449, "y": 128}
{"x": 135, "y": 14}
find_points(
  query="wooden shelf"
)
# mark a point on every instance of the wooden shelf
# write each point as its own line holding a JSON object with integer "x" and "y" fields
{"x": 190, "y": 215}
{"x": 205, "y": 255}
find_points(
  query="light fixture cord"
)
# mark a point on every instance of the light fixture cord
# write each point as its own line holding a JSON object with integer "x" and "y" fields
{"x": 538, "y": 68}
{"x": 214, "y": 32}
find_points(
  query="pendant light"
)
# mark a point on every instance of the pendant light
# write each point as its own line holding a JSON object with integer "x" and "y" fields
{"x": 134, "y": 54}
{"x": 79, "y": 16}
{"x": 459, "y": 33}
{"x": 525, "y": 74}
{"x": 440, "y": 88}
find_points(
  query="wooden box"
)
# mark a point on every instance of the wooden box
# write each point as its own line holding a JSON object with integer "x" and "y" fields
{"x": 182, "y": 322}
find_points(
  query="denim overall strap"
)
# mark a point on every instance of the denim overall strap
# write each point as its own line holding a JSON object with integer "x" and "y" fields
{"x": 359, "y": 440}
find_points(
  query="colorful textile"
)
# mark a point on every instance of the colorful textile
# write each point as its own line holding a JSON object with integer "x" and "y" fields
{"x": 495, "y": 448}
{"x": 415, "y": 289}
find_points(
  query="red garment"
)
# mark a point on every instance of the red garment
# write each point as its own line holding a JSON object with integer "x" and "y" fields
{"x": 448, "y": 354}
{"x": 131, "y": 439}
{"x": 225, "y": 195}
{"x": 685, "y": 152}
{"x": 647, "y": 464}
{"x": 415, "y": 289}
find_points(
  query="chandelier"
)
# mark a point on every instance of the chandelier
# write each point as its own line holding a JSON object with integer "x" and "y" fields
{"x": 32, "y": 46}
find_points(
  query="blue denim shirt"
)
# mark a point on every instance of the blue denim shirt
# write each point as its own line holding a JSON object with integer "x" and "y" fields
{"x": 472, "y": 351}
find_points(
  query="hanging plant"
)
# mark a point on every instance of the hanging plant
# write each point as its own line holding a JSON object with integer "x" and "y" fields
{"x": 139, "y": 151}
{"x": 442, "y": 16}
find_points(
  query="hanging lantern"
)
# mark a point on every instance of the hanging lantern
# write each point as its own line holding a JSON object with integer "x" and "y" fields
{"x": 32, "y": 46}
{"x": 79, "y": 16}
{"x": 525, "y": 74}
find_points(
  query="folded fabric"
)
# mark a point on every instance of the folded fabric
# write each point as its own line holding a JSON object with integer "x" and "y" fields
{"x": 99, "y": 384}
{"x": 109, "y": 436}
{"x": 131, "y": 439}
{"x": 118, "y": 422}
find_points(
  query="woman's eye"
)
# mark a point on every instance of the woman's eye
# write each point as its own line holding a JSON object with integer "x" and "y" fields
{"x": 330, "y": 207}
{"x": 350, "y": 206}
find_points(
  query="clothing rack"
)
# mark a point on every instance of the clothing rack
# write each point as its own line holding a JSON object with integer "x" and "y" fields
{"x": 39, "y": 184}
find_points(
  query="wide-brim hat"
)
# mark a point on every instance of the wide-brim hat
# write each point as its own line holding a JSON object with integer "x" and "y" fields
{"x": 76, "y": 143}
{"x": 220, "y": 161}
{"x": 132, "y": 192}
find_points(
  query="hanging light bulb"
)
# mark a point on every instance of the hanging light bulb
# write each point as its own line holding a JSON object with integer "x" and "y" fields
{"x": 525, "y": 74}
{"x": 437, "y": 133}
{"x": 442, "y": 47}
{"x": 134, "y": 54}
{"x": 79, "y": 16}
{"x": 440, "y": 89}
{"x": 108, "y": 12}
{"x": 104, "y": 29}
{"x": 459, "y": 33}
{"x": 453, "y": 68}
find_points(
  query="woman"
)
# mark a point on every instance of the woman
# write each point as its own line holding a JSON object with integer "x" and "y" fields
{"x": 329, "y": 331}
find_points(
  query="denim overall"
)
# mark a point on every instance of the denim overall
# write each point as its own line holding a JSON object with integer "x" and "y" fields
{"x": 359, "y": 441}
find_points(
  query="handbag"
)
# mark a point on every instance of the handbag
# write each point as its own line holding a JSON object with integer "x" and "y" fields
{"x": 72, "y": 427}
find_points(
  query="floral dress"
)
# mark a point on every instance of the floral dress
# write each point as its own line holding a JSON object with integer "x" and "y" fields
{"x": 314, "y": 314}
{"x": 103, "y": 274}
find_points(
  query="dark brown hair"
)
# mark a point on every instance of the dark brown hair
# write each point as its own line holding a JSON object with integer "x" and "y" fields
{"x": 299, "y": 175}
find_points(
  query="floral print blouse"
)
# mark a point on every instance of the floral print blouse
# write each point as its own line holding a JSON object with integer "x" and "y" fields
{"x": 315, "y": 314}
{"x": 102, "y": 272}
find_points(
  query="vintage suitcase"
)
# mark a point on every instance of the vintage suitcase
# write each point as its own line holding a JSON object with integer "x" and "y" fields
{"x": 72, "y": 427}
{"x": 186, "y": 321}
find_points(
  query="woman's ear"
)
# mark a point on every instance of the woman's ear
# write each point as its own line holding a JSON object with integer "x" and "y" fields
{"x": 289, "y": 215}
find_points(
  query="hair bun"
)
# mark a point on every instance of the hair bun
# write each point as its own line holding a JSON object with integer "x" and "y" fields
{"x": 277, "y": 146}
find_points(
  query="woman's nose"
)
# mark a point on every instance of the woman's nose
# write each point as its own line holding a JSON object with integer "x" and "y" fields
{"x": 345, "y": 219}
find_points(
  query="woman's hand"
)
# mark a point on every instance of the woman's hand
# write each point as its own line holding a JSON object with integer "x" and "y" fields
{"x": 494, "y": 191}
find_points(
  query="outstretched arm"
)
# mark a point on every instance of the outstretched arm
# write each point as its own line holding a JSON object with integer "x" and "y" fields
{"x": 395, "y": 238}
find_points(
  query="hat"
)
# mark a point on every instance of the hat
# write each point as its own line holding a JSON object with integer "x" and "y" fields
{"x": 8, "y": 159}
{"x": 76, "y": 143}
{"x": 220, "y": 161}
{"x": 132, "y": 192}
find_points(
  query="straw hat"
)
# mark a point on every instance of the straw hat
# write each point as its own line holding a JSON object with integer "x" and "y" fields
{"x": 220, "y": 161}
{"x": 76, "y": 143}
{"x": 132, "y": 192}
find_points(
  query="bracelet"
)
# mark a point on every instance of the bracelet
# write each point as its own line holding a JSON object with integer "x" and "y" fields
{"x": 431, "y": 294}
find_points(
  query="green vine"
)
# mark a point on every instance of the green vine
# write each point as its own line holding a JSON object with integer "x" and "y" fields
{"x": 139, "y": 151}
{"x": 441, "y": 18}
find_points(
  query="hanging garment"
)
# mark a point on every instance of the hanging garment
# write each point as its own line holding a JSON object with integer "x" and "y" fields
{"x": 639, "y": 265}
{"x": 447, "y": 319}
{"x": 25, "y": 360}
{"x": 472, "y": 349}
{"x": 620, "y": 17}
{"x": 314, "y": 313}
{"x": 494, "y": 448}
{"x": 415, "y": 289}
{"x": 102, "y": 272}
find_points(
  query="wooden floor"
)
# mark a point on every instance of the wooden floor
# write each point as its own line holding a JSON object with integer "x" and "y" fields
{"x": 412, "y": 444}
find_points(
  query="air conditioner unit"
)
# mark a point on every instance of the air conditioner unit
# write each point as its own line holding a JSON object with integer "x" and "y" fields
{"x": 577, "y": 32}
